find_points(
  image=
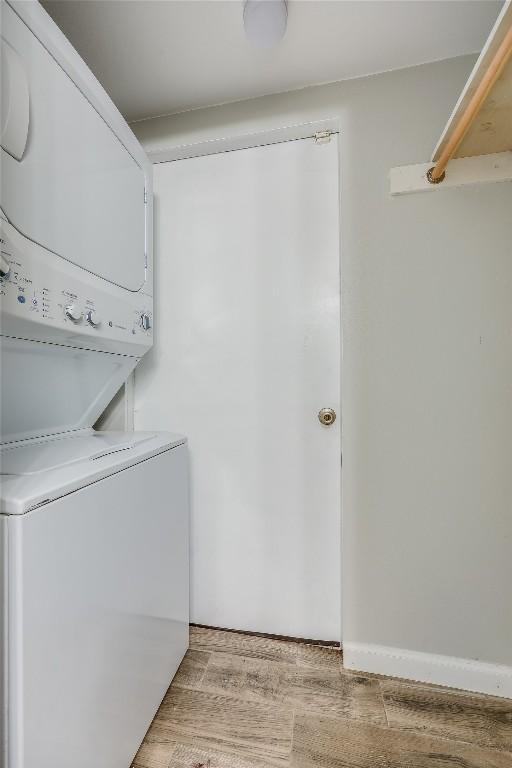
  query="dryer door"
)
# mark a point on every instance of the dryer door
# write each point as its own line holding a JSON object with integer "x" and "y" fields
{"x": 72, "y": 187}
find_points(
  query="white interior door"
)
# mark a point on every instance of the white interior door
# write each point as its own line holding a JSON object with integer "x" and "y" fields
{"x": 247, "y": 352}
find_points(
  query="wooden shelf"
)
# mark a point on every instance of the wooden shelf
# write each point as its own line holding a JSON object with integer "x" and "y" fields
{"x": 480, "y": 125}
{"x": 490, "y": 130}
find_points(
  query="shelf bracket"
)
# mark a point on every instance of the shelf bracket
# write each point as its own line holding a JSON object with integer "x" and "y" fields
{"x": 481, "y": 169}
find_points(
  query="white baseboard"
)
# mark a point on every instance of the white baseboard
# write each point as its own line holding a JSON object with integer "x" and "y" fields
{"x": 476, "y": 676}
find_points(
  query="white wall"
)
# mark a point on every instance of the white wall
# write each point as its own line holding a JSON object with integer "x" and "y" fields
{"x": 427, "y": 362}
{"x": 114, "y": 415}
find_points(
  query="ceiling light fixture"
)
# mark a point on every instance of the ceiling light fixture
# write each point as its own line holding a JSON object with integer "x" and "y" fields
{"x": 265, "y": 21}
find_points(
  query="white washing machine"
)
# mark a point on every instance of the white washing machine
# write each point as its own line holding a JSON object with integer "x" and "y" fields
{"x": 94, "y": 538}
{"x": 93, "y": 525}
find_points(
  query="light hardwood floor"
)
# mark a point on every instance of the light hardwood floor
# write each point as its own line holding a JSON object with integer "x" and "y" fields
{"x": 246, "y": 702}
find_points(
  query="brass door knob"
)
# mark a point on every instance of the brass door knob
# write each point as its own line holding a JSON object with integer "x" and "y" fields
{"x": 327, "y": 416}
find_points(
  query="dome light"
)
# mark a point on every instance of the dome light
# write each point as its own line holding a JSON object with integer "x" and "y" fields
{"x": 265, "y": 21}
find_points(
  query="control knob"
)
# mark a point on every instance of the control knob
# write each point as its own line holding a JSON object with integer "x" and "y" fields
{"x": 93, "y": 318}
{"x": 145, "y": 321}
{"x": 74, "y": 313}
{"x": 5, "y": 267}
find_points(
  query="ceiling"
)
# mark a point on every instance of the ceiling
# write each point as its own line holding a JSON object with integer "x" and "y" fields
{"x": 158, "y": 57}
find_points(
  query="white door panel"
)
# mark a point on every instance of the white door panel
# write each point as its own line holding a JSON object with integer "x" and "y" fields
{"x": 247, "y": 351}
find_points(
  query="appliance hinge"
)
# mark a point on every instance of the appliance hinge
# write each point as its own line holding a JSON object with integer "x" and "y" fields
{"x": 323, "y": 137}
{"x": 145, "y": 251}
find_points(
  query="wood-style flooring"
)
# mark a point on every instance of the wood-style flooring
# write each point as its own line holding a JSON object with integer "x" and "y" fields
{"x": 239, "y": 701}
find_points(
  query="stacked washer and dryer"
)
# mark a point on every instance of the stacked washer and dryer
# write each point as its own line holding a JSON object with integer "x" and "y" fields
{"x": 93, "y": 525}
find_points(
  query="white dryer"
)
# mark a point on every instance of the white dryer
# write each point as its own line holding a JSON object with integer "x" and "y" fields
{"x": 93, "y": 525}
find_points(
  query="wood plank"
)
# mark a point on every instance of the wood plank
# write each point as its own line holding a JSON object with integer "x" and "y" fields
{"x": 491, "y": 130}
{"x": 245, "y": 678}
{"x": 494, "y": 40}
{"x": 482, "y": 720}
{"x": 153, "y": 755}
{"x": 220, "y": 641}
{"x": 192, "y": 668}
{"x": 325, "y": 692}
{"x": 185, "y": 756}
{"x": 484, "y": 169}
{"x": 318, "y": 656}
{"x": 321, "y": 690}
{"x": 321, "y": 742}
{"x": 249, "y": 729}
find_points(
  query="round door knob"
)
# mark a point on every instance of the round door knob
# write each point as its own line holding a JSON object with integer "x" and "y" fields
{"x": 5, "y": 267}
{"x": 93, "y": 318}
{"x": 145, "y": 321}
{"x": 74, "y": 313}
{"x": 327, "y": 416}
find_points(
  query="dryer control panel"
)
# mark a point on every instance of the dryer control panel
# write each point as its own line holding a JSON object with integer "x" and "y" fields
{"x": 44, "y": 297}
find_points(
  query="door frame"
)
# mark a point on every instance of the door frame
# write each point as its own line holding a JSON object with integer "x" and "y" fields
{"x": 308, "y": 130}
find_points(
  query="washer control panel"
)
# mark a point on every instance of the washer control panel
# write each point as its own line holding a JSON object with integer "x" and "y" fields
{"x": 45, "y": 297}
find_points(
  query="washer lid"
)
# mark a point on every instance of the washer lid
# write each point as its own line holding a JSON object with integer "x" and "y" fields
{"x": 47, "y": 454}
{"x": 39, "y": 471}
